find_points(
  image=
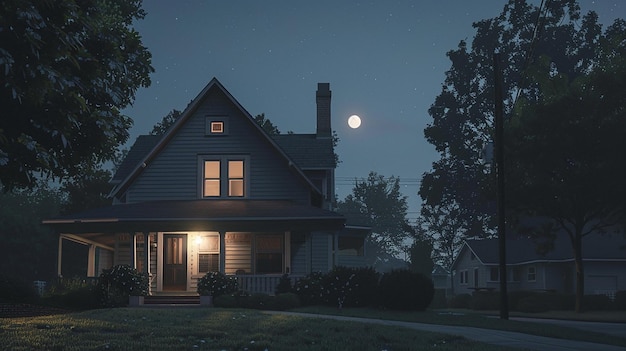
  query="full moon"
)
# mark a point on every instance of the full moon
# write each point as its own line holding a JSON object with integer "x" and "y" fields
{"x": 354, "y": 121}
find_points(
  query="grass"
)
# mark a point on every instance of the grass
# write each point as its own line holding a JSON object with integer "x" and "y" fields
{"x": 212, "y": 329}
{"x": 480, "y": 320}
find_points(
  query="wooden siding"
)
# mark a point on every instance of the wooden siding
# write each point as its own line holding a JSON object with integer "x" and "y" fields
{"x": 238, "y": 253}
{"x": 300, "y": 254}
{"x": 321, "y": 250}
{"x": 174, "y": 174}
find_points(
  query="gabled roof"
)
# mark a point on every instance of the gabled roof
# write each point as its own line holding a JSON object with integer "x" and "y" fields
{"x": 129, "y": 171}
{"x": 307, "y": 150}
{"x": 596, "y": 247}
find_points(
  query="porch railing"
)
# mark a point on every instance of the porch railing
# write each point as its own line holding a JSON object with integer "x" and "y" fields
{"x": 261, "y": 284}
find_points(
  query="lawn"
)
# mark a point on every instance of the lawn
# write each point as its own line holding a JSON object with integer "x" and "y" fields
{"x": 481, "y": 320}
{"x": 212, "y": 329}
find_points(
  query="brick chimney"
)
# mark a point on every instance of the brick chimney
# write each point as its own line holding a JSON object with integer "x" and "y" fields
{"x": 322, "y": 97}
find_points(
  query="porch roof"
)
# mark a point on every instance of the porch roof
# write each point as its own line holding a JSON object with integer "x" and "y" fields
{"x": 199, "y": 215}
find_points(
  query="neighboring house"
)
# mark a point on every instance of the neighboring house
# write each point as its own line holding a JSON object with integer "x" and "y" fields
{"x": 217, "y": 193}
{"x": 441, "y": 279}
{"x": 604, "y": 255}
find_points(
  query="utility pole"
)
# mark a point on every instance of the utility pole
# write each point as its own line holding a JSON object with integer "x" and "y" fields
{"x": 499, "y": 146}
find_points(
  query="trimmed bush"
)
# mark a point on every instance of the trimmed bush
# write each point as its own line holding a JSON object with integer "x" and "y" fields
{"x": 460, "y": 301}
{"x": 116, "y": 284}
{"x": 405, "y": 290}
{"x": 596, "y": 302}
{"x": 516, "y": 296}
{"x": 350, "y": 287}
{"x": 225, "y": 301}
{"x": 216, "y": 284}
{"x": 485, "y": 300}
{"x": 439, "y": 299}
{"x": 14, "y": 289}
{"x": 309, "y": 289}
{"x": 620, "y": 300}
{"x": 535, "y": 303}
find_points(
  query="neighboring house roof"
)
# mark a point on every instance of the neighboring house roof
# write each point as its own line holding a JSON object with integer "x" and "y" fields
{"x": 175, "y": 215}
{"x": 142, "y": 146}
{"x": 125, "y": 176}
{"x": 307, "y": 150}
{"x": 596, "y": 247}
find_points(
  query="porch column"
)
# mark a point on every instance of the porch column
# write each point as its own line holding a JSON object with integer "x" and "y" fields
{"x": 223, "y": 252}
{"x": 146, "y": 259}
{"x": 60, "y": 256}
{"x": 287, "y": 252}
{"x": 133, "y": 250}
{"x": 91, "y": 261}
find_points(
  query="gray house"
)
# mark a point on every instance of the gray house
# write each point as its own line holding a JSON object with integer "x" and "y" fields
{"x": 218, "y": 193}
{"x": 604, "y": 255}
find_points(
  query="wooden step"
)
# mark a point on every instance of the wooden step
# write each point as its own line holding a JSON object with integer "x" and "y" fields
{"x": 171, "y": 300}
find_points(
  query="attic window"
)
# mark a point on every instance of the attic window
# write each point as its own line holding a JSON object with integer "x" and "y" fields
{"x": 216, "y": 125}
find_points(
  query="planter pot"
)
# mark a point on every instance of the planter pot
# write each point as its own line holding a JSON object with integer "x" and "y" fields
{"x": 206, "y": 301}
{"x": 135, "y": 301}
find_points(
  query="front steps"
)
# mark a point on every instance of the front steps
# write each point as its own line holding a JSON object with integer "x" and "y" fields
{"x": 185, "y": 300}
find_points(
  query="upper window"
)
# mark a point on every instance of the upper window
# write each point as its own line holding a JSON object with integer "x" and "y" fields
{"x": 216, "y": 125}
{"x": 223, "y": 176}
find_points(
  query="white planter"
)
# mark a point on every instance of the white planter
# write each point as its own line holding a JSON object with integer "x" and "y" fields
{"x": 134, "y": 301}
{"x": 206, "y": 301}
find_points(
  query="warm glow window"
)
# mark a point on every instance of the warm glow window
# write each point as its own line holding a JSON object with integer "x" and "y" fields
{"x": 224, "y": 176}
{"x": 212, "y": 178}
{"x": 217, "y": 127}
{"x": 208, "y": 253}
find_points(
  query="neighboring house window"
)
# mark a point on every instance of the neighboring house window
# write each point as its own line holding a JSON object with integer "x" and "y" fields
{"x": 208, "y": 253}
{"x": 494, "y": 274}
{"x": 269, "y": 254}
{"x": 514, "y": 274}
{"x": 351, "y": 245}
{"x": 223, "y": 176}
{"x": 463, "y": 277}
{"x": 216, "y": 125}
{"x": 532, "y": 274}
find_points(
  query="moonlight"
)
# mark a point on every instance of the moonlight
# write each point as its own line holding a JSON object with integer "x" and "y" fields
{"x": 354, "y": 121}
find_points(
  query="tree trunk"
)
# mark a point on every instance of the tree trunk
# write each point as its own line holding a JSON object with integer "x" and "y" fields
{"x": 580, "y": 276}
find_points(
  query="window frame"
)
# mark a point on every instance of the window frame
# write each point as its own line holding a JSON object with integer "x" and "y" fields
{"x": 464, "y": 277}
{"x": 491, "y": 273}
{"x": 258, "y": 250}
{"x": 224, "y": 180}
{"x": 533, "y": 274}
{"x": 208, "y": 251}
{"x": 211, "y": 120}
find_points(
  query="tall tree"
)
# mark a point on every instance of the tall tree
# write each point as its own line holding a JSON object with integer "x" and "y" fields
{"x": 537, "y": 44}
{"x": 567, "y": 152}
{"x": 168, "y": 120}
{"x": 378, "y": 202}
{"x": 421, "y": 252}
{"x": 266, "y": 124}
{"x": 68, "y": 67}
{"x": 88, "y": 189}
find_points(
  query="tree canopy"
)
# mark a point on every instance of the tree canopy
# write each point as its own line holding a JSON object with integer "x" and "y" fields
{"x": 378, "y": 202}
{"x": 68, "y": 67}
{"x": 563, "y": 94}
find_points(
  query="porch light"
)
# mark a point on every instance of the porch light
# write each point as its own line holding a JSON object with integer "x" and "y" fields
{"x": 198, "y": 240}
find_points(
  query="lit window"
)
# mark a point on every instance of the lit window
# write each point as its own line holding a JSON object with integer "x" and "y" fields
{"x": 208, "y": 253}
{"x": 532, "y": 274}
{"x": 211, "y": 178}
{"x": 235, "y": 178}
{"x": 217, "y": 127}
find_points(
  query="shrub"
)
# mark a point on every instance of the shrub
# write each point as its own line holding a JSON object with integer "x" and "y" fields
{"x": 405, "y": 290}
{"x": 534, "y": 303}
{"x": 620, "y": 300}
{"x": 78, "y": 298}
{"x": 226, "y": 301}
{"x": 596, "y": 302}
{"x": 439, "y": 299}
{"x": 309, "y": 289}
{"x": 257, "y": 301}
{"x": 116, "y": 284}
{"x": 350, "y": 287}
{"x": 216, "y": 284}
{"x": 485, "y": 300}
{"x": 286, "y": 301}
{"x": 284, "y": 285}
{"x": 460, "y": 301}
{"x": 516, "y": 296}
{"x": 13, "y": 289}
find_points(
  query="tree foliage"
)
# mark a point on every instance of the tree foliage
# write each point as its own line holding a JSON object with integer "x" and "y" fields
{"x": 563, "y": 97}
{"x": 68, "y": 67}
{"x": 266, "y": 124}
{"x": 168, "y": 120}
{"x": 378, "y": 202}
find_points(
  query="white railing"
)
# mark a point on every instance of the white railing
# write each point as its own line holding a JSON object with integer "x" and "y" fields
{"x": 261, "y": 284}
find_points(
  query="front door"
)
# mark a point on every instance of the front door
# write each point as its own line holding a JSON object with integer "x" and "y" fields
{"x": 174, "y": 262}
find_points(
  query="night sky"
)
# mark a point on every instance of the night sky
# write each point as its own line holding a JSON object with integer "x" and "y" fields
{"x": 384, "y": 60}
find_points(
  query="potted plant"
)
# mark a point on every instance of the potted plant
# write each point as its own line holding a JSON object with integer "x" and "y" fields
{"x": 214, "y": 284}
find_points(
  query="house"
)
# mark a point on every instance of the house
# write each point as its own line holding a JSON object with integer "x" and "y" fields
{"x": 604, "y": 257}
{"x": 218, "y": 193}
